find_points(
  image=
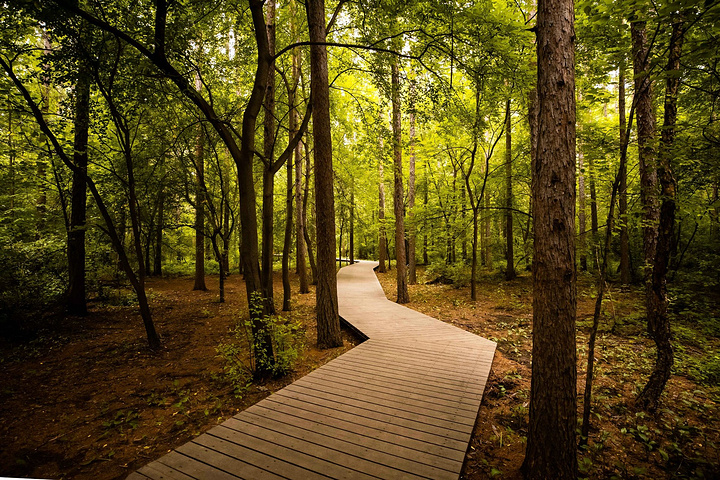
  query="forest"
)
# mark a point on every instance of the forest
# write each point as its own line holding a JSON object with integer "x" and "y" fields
{"x": 180, "y": 181}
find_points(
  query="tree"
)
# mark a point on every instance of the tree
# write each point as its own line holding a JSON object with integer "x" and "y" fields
{"x": 328, "y": 320}
{"x": 509, "y": 254}
{"x": 657, "y": 301}
{"x": 398, "y": 198}
{"x": 200, "y": 202}
{"x": 76, "y": 299}
{"x": 551, "y": 448}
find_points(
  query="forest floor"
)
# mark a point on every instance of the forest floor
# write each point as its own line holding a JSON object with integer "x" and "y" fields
{"x": 680, "y": 440}
{"x": 86, "y": 399}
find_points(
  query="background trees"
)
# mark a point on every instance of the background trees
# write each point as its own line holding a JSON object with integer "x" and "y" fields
{"x": 115, "y": 96}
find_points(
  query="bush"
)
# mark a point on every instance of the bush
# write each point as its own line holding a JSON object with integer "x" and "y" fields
{"x": 455, "y": 274}
{"x": 33, "y": 275}
{"x": 242, "y": 358}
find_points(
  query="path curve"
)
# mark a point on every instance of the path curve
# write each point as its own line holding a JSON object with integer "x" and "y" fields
{"x": 401, "y": 405}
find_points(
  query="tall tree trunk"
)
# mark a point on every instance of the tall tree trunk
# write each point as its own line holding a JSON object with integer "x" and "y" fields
{"x": 352, "y": 225}
{"x": 582, "y": 225}
{"x": 328, "y": 320}
{"x": 199, "y": 204}
{"x": 646, "y": 139}
{"x": 76, "y": 299}
{"x": 300, "y": 246}
{"x": 382, "y": 240}
{"x": 623, "y": 211}
{"x": 401, "y": 268}
{"x": 412, "y": 234}
{"x": 268, "y": 205}
{"x": 658, "y": 321}
{"x": 306, "y": 231}
{"x": 551, "y": 446}
{"x": 287, "y": 246}
{"x": 41, "y": 202}
{"x": 487, "y": 219}
{"x": 426, "y": 259}
{"x": 593, "y": 201}
{"x": 510, "y": 254}
{"x": 157, "y": 258}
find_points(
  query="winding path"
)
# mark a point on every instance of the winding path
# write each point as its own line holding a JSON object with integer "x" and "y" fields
{"x": 401, "y": 405}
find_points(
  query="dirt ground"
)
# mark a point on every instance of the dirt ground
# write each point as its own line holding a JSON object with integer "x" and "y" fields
{"x": 681, "y": 440}
{"x": 86, "y": 399}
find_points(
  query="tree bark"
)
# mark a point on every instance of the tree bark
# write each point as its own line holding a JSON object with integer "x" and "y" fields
{"x": 76, "y": 299}
{"x": 623, "y": 211}
{"x": 658, "y": 321}
{"x": 403, "y": 295}
{"x": 646, "y": 139}
{"x": 287, "y": 245}
{"x": 582, "y": 224}
{"x": 268, "y": 204}
{"x": 300, "y": 246}
{"x": 306, "y": 232}
{"x": 551, "y": 446}
{"x": 157, "y": 257}
{"x": 352, "y": 225}
{"x": 41, "y": 202}
{"x": 412, "y": 234}
{"x": 328, "y": 320}
{"x": 199, "y": 204}
{"x": 382, "y": 240}
{"x": 510, "y": 254}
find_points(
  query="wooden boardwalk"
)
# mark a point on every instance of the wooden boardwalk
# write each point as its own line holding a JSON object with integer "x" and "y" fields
{"x": 401, "y": 405}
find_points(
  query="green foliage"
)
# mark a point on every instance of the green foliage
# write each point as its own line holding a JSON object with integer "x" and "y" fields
{"x": 33, "y": 274}
{"x": 243, "y": 358}
{"x": 455, "y": 274}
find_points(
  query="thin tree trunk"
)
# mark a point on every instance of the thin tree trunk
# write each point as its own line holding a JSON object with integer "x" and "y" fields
{"x": 328, "y": 320}
{"x": 306, "y": 232}
{"x": 488, "y": 232}
{"x": 658, "y": 321}
{"x": 412, "y": 234}
{"x": 551, "y": 446}
{"x": 76, "y": 299}
{"x": 300, "y": 246}
{"x": 582, "y": 223}
{"x": 287, "y": 246}
{"x": 646, "y": 138}
{"x": 382, "y": 241}
{"x": 41, "y": 202}
{"x": 426, "y": 259}
{"x": 510, "y": 254}
{"x": 157, "y": 258}
{"x": 268, "y": 205}
{"x": 352, "y": 225}
{"x": 593, "y": 201}
{"x": 403, "y": 295}
{"x": 199, "y": 204}
{"x": 623, "y": 211}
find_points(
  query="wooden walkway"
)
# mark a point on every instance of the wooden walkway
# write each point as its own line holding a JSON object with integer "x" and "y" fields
{"x": 401, "y": 405}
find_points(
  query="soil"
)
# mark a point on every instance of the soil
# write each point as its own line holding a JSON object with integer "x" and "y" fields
{"x": 87, "y": 399}
{"x": 680, "y": 440}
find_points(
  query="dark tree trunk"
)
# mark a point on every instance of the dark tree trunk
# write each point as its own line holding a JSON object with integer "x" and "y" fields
{"x": 401, "y": 264}
{"x": 382, "y": 240}
{"x": 352, "y": 226}
{"x": 41, "y": 202}
{"x": 199, "y": 205}
{"x": 646, "y": 139}
{"x": 510, "y": 254}
{"x": 593, "y": 202}
{"x": 328, "y": 320}
{"x": 157, "y": 258}
{"x": 623, "y": 211}
{"x": 269, "y": 170}
{"x": 287, "y": 245}
{"x": 551, "y": 446}
{"x": 76, "y": 299}
{"x": 412, "y": 235}
{"x": 658, "y": 321}
{"x": 306, "y": 232}
{"x": 300, "y": 246}
{"x": 582, "y": 223}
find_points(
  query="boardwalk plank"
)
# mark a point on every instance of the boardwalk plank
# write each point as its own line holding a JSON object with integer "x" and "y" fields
{"x": 401, "y": 405}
